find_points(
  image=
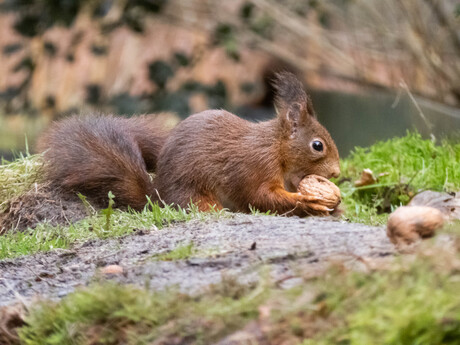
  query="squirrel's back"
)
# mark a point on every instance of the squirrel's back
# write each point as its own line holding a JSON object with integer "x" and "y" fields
{"x": 97, "y": 154}
{"x": 219, "y": 154}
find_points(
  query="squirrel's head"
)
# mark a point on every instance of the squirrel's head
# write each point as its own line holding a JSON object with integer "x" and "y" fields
{"x": 307, "y": 146}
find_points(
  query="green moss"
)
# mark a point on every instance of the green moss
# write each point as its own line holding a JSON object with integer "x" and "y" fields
{"x": 182, "y": 252}
{"x": 116, "y": 314}
{"x": 18, "y": 177}
{"x": 403, "y": 166}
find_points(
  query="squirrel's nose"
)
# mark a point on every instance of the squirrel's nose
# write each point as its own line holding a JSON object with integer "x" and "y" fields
{"x": 335, "y": 173}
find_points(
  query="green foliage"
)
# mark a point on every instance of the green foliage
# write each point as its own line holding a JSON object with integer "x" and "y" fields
{"x": 159, "y": 73}
{"x": 410, "y": 159}
{"x": 108, "y": 212}
{"x": 421, "y": 308}
{"x": 180, "y": 253}
{"x": 19, "y": 176}
{"x": 256, "y": 21}
{"x": 256, "y": 212}
{"x": 225, "y": 36}
{"x": 115, "y": 314}
{"x": 104, "y": 224}
{"x": 43, "y": 238}
{"x": 34, "y": 17}
{"x": 404, "y": 166}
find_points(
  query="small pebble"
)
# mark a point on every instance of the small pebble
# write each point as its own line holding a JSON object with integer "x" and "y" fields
{"x": 112, "y": 269}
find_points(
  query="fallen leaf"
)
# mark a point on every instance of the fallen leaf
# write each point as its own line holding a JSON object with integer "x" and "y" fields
{"x": 367, "y": 178}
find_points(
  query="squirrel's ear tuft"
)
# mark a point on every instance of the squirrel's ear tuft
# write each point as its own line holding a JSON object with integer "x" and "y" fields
{"x": 288, "y": 92}
{"x": 293, "y": 117}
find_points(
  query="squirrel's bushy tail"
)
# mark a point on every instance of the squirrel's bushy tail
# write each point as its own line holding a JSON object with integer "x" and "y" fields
{"x": 97, "y": 154}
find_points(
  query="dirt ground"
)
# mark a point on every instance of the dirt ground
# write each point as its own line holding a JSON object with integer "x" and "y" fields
{"x": 241, "y": 247}
{"x": 40, "y": 203}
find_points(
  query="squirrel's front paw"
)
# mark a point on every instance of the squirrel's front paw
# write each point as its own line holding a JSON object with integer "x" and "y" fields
{"x": 319, "y": 194}
{"x": 315, "y": 207}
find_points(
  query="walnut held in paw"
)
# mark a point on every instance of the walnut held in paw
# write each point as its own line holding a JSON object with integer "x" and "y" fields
{"x": 321, "y": 190}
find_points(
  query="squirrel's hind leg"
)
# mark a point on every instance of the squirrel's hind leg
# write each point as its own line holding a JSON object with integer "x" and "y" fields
{"x": 206, "y": 202}
{"x": 185, "y": 196}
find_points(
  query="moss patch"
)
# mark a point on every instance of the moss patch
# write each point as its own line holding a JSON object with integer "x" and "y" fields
{"x": 404, "y": 166}
{"x": 115, "y": 314}
{"x": 182, "y": 252}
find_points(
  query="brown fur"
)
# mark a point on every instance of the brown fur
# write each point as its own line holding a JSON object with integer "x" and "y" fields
{"x": 211, "y": 158}
{"x": 97, "y": 154}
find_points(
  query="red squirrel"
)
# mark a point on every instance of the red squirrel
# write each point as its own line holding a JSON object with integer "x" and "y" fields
{"x": 213, "y": 159}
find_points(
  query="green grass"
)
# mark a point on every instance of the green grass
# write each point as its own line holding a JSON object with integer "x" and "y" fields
{"x": 407, "y": 165}
{"x": 182, "y": 252}
{"x": 45, "y": 237}
{"x": 18, "y": 177}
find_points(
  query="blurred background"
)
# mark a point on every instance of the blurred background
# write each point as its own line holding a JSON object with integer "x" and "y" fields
{"x": 374, "y": 68}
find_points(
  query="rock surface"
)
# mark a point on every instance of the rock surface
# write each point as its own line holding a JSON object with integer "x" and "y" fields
{"x": 448, "y": 204}
{"x": 238, "y": 246}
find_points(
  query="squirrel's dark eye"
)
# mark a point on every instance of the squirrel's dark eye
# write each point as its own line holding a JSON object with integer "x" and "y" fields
{"x": 317, "y": 145}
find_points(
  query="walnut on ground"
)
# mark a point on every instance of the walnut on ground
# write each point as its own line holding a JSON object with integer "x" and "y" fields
{"x": 321, "y": 190}
{"x": 410, "y": 224}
